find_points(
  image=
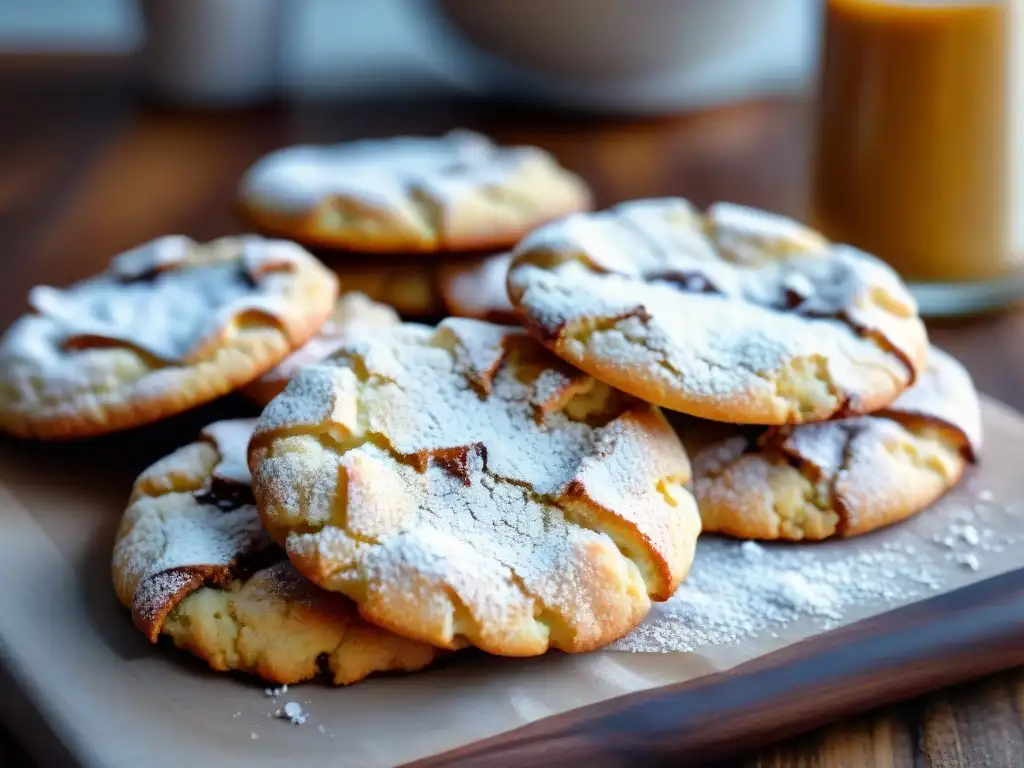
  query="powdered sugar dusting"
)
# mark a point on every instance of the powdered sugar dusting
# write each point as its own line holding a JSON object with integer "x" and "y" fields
{"x": 447, "y": 414}
{"x": 167, "y": 300}
{"x": 737, "y": 591}
{"x": 352, "y": 310}
{"x": 175, "y": 531}
{"x": 173, "y": 311}
{"x": 864, "y": 469}
{"x": 383, "y": 172}
{"x": 650, "y": 295}
{"x": 231, "y": 437}
{"x": 747, "y": 592}
{"x": 969, "y": 540}
{"x": 944, "y": 392}
{"x": 478, "y": 290}
{"x": 747, "y": 235}
{"x": 456, "y": 480}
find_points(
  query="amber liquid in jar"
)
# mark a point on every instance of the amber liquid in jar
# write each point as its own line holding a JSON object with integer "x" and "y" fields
{"x": 918, "y": 156}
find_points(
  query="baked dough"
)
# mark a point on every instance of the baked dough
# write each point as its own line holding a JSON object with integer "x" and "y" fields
{"x": 845, "y": 477}
{"x": 169, "y": 325}
{"x": 457, "y": 192}
{"x": 477, "y": 289}
{"x": 734, "y": 315}
{"x": 462, "y": 485}
{"x": 192, "y": 563}
{"x": 352, "y": 309}
{"x": 407, "y": 285}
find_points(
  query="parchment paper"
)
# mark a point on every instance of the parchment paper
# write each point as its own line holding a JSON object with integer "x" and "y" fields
{"x": 114, "y": 700}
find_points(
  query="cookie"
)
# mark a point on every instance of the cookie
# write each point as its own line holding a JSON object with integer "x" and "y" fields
{"x": 193, "y": 564}
{"x": 411, "y": 289}
{"x": 168, "y": 326}
{"x": 844, "y": 477}
{"x": 352, "y": 310}
{"x": 463, "y": 485}
{"x": 734, "y": 315}
{"x": 455, "y": 192}
{"x": 476, "y": 289}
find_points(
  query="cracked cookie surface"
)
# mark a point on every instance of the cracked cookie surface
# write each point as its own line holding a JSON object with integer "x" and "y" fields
{"x": 168, "y": 326}
{"x": 192, "y": 563}
{"x": 463, "y": 485}
{"x": 733, "y": 315}
{"x": 455, "y": 192}
{"x": 352, "y": 310}
{"x": 844, "y": 477}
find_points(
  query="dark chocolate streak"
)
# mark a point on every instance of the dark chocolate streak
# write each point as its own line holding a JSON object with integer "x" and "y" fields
{"x": 152, "y": 274}
{"x": 691, "y": 282}
{"x": 149, "y": 276}
{"x": 226, "y": 495}
{"x": 457, "y": 461}
{"x": 792, "y": 302}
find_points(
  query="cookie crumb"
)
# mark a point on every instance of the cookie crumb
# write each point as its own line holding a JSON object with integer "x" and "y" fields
{"x": 292, "y": 712}
{"x": 969, "y": 560}
{"x": 966, "y": 532}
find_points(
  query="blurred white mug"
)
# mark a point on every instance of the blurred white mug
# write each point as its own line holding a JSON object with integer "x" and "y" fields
{"x": 640, "y": 56}
{"x": 213, "y": 52}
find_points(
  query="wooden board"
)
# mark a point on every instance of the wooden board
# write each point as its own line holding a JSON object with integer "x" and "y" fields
{"x": 84, "y": 688}
{"x": 957, "y": 636}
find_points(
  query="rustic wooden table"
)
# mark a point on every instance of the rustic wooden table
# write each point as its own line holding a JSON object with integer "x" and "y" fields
{"x": 88, "y": 169}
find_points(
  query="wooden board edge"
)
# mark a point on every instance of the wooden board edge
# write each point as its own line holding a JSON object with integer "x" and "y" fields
{"x": 958, "y": 636}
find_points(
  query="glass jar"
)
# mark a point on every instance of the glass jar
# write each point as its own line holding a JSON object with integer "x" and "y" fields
{"x": 920, "y": 144}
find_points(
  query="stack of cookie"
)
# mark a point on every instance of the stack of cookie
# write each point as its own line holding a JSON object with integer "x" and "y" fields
{"x": 826, "y": 412}
{"x": 402, "y": 219}
{"x": 410, "y": 490}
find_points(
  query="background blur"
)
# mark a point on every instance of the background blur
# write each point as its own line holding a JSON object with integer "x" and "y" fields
{"x": 340, "y": 47}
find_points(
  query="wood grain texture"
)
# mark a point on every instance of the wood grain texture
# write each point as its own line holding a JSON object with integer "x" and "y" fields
{"x": 88, "y": 169}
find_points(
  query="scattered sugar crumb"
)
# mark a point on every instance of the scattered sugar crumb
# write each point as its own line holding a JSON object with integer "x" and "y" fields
{"x": 751, "y": 550}
{"x": 966, "y": 532}
{"x": 275, "y": 692}
{"x": 739, "y": 590}
{"x": 969, "y": 560}
{"x": 985, "y": 495}
{"x": 321, "y": 728}
{"x": 253, "y": 735}
{"x": 292, "y": 711}
{"x": 236, "y": 714}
